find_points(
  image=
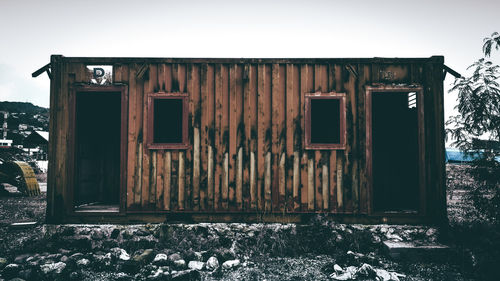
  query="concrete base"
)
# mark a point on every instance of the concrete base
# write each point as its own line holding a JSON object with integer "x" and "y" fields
{"x": 414, "y": 251}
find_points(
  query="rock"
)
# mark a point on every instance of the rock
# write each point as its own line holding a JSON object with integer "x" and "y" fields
{"x": 225, "y": 254}
{"x": 3, "y": 263}
{"x": 10, "y": 271}
{"x": 212, "y": 263}
{"x": 196, "y": 265}
{"x": 97, "y": 234}
{"x": 74, "y": 275}
{"x": 385, "y": 275}
{"x": 82, "y": 263}
{"x": 20, "y": 259}
{"x": 121, "y": 276}
{"x": 186, "y": 275}
{"x": 64, "y": 259}
{"x": 101, "y": 261}
{"x": 145, "y": 257}
{"x": 120, "y": 254}
{"x": 27, "y": 274}
{"x": 393, "y": 237}
{"x": 76, "y": 256}
{"x": 366, "y": 270}
{"x": 230, "y": 264}
{"x": 64, "y": 252}
{"x": 159, "y": 274}
{"x": 130, "y": 266}
{"x": 114, "y": 234}
{"x": 174, "y": 257}
{"x": 53, "y": 271}
{"x": 180, "y": 264}
{"x": 198, "y": 256}
{"x": 160, "y": 260}
{"x": 337, "y": 269}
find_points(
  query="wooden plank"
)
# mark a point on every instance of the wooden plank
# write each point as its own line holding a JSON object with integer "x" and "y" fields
{"x": 146, "y": 153}
{"x": 251, "y": 132}
{"x": 307, "y": 76}
{"x": 318, "y": 187}
{"x": 203, "y": 135}
{"x": 261, "y": 134}
{"x": 239, "y": 180}
{"x": 289, "y": 112}
{"x": 279, "y": 135}
{"x": 139, "y": 109}
{"x": 333, "y": 181}
{"x": 240, "y": 136}
{"x": 209, "y": 116}
{"x": 324, "y": 181}
{"x": 174, "y": 179}
{"x": 364, "y": 79}
{"x": 219, "y": 152}
{"x": 160, "y": 154}
{"x": 151, "y": 88}
{"x": 132, "y": 137}
{"x": 294, "y": 112}
{"x": 264, "y": 136}
{"x": 351, "y": 162}
{"x": 181, "y": 180}
{"x": 304, "y": 70}
{"x": 340, "y": 155}
{"x": 193, "y": 155}
{"x": 320, "y": 85}
{"x": 196, "y": 169}
{"x": 267, "y": 183}
{"x": 225, "y": 136}
{"x": 186, "y": 173}
{"x": 168, "y": 180}
{"x": 310, "y": 182}
{"x": 235, "y": 113}
{"x": 332, "y": 165}
{"x": 296, "y": 181}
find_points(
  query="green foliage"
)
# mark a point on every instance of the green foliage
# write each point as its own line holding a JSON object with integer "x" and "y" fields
{"x": 479, "y": 117}
{"x": 491, "y": 42}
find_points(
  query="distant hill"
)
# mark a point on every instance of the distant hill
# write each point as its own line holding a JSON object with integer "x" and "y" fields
{"x": 23, "y": 118}
{"x": 23, "y": 107}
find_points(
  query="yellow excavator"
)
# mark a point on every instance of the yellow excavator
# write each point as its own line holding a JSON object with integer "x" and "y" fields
{"x": 21, "y": 175}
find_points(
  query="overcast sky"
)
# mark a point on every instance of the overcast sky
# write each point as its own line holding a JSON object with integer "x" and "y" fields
{"x": 31, "y": 31}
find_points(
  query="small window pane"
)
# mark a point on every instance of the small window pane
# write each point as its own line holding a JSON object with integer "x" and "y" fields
{"x": 167, "y": 121}
{"x": 325, "y": 121}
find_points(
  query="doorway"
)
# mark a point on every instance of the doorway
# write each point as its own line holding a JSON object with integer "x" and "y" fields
{"x": 97, "y": 144}
{"x": 396, "y": 150}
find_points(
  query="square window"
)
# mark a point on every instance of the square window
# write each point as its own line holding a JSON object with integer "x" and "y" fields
{"x": 167, "y": 121}
{"x": 325, "y": 121}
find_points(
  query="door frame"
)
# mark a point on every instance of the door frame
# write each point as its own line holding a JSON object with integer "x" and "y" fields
{"x": 421, "y": 143}
{"x": 79, "y": 88}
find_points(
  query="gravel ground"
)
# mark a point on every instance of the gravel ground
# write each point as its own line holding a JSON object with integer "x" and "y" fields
{"x": 260, "y": 259}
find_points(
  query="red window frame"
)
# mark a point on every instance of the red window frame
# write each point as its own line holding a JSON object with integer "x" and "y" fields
{"x": 342, "y": 111}
{"x": 150, "y": 132}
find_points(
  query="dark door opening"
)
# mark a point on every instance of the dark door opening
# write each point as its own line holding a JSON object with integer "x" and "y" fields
{"x": 395, "y": 151}
{"x": 97, "y": 151}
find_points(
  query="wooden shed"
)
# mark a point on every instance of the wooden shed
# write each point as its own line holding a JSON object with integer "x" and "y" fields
{"x": 216, "y": 139}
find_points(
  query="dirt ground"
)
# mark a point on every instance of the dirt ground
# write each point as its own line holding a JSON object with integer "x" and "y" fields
{"x": 469, "y": 260}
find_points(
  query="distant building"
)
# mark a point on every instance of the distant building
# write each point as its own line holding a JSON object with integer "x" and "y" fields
{"x": 5, "y": 143}
{"x": 36, "y": 144}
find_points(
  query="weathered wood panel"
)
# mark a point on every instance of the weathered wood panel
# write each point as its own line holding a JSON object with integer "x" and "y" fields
{"x": 246, "y": 124}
